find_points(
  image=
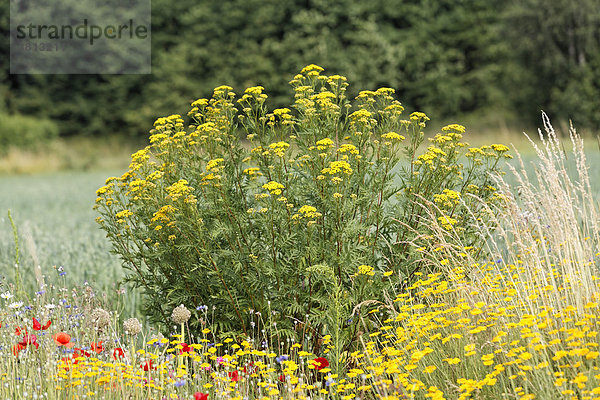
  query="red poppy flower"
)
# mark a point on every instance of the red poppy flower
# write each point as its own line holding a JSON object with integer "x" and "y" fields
{"x": 63, "y": 339}
{"x": 17, "y": 348}
{"x": 118, "y": 352}
{"x": 320, "y": 363}
{"x": 282, "y": 378}
{"x": 37, "y": 326}
{"x": 200, "y": 396}
{"x": 147, "y": 366}
{"x": 77, "y": 352}
{"x": 74, "y": 358}
{"x": 19, "y": 331}
{"x": 97, "y": 347}
{"x": 235, "y": 376}
{"x": 29, "y": 339}
{"x": 185, "y": 348}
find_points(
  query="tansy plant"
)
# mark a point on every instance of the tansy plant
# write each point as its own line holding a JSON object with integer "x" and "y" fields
{"x": 321, "y": 204}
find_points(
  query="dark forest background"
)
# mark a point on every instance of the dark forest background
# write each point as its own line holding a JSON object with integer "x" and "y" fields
{"x": 486, "y": 60}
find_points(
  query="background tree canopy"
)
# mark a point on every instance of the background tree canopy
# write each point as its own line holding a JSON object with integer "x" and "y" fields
{"x": 446, "y": 58}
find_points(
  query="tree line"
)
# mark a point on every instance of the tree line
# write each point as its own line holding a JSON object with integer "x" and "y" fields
{"x": 447, "y": 58}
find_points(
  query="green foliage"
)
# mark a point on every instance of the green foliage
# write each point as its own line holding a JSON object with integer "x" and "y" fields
{"x": 442, "y": 57}
{"x": 320, "y": 207}
{"x": 556, "y": 57}
{"x": 23, "y": 131}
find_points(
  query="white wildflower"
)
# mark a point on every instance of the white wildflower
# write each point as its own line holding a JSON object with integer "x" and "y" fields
{"x": 6, "y": 295}
{"x": 16, "y": 304}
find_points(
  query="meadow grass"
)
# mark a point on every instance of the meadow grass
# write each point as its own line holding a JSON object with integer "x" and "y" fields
{"x": 78, "y": 153}
{"x": 519, "y": 322}
{"x": 56, "y": 229}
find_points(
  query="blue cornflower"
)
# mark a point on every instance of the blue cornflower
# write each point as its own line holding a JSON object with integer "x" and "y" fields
{"x": 180, "y": 383}
{"x": 281, "y": 358}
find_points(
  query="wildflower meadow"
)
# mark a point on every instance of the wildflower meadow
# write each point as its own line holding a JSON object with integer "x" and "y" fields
{"x": 329, "y": 249}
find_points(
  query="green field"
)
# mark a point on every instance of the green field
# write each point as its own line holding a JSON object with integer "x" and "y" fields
{"x": 54, "y": 217}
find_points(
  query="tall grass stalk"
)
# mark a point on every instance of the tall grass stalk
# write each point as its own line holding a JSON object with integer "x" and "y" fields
{"x": 517, "y": 316}
{"x": 550, "y": 221}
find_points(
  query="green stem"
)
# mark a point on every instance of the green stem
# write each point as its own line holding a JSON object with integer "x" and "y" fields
{"x": 16, "y": 240}
{"x": 180, "y": 356}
